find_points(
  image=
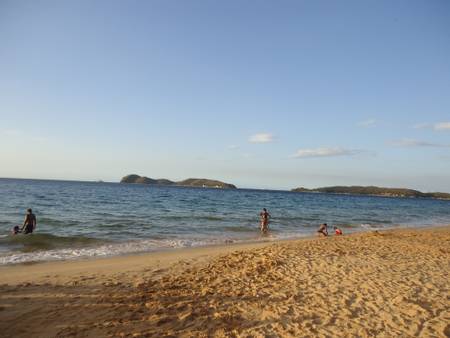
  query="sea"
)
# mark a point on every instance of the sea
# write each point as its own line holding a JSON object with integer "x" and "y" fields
{"x": 80, "y": 220}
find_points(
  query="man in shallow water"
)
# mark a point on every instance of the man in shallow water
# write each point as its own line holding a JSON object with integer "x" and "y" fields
{"x": 29, "y": 224}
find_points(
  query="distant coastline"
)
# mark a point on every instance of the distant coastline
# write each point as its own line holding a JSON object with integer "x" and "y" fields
{"x": 375, "y": 191}
{"x": 207, "y": 183}
{"x": 190, "y": 182}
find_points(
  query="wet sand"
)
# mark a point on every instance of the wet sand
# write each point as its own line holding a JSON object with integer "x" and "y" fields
{"x": 376, "y": 284}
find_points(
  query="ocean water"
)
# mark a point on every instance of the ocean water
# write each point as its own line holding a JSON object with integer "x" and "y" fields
{"x": 88, "y": 219}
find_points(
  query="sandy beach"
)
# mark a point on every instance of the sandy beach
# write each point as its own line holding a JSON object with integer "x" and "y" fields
{"x": 376, "y": 284}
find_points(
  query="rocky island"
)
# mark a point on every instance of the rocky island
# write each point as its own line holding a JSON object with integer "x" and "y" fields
{"x": 190, "y": 182}
{"x": 375, "y": 191}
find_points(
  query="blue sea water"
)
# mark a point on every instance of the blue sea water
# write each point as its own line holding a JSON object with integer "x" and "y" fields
{"x": 89, "y": 219}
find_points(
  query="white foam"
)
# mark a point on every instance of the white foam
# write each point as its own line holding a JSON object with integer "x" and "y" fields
{"x": 99, "y": 251}
{"x": 114, "y": 249}
{"x": 106, "y": 250}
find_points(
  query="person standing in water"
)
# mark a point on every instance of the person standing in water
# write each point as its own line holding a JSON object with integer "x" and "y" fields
{"x": 29, "y": 224}
{"x": 264, "y": 215}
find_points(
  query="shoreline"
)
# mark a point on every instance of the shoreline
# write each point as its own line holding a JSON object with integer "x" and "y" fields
{"x": 222, "y": 245}
{"x": 218, "y": 246}
{"x": 157, "y": 250}
{"x": 158, "y": 259}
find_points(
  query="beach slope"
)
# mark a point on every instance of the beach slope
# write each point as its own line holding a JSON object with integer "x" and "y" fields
{"x": 376, "y": 284}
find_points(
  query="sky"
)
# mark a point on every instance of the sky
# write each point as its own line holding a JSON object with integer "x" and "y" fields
{"x": 261, "y": 94}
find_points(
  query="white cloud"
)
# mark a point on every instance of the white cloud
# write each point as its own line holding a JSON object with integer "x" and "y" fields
{"x": 261, "y": 138}
{"x": 442, "y": 126}
{"x": 416, "y": 143}
{"x": 233, "y": 147}
{"x": 12, "y": 132}
{"x": 422, "y": 126}
{"x": 367, "y": 123}
{"x": 17, "y": 134}
{"x": 325, "y": 152}
{"x": 439, "y": 126}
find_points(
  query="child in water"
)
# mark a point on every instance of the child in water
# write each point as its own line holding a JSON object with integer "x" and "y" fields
{"x": 337, "y": 231}
{"x": 15, "y": 230}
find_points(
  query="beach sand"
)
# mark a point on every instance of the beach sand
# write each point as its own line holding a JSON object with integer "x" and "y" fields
{"x": 376, "y": 284}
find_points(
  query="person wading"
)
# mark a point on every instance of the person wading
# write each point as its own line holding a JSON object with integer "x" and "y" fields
{"x": 29, "y": 224}
{"x": 264, "y": 215}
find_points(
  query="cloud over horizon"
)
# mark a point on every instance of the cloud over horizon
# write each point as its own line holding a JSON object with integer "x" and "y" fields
{"x": 416, "y": 143}
{"x": 442, "y": 126}
{"x": 325, "y": 152}
{"x": 261, "y": 138}
{"x": 439, "y": 126}
{"x": 367, "y": 123}
{"x": 12, "y": 132}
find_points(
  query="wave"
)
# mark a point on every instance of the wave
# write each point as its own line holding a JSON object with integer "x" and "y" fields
{"x": 113, "y": 249}
{"x": 55, "y": 222}
{"x": 35, "y": 242}
{"x": 44, "y": 247}
{"x": 200, "y": 218}
{"x": 238, "y": 228}
{"x": 296, "y": 218}
{"x": 47, "y": 247}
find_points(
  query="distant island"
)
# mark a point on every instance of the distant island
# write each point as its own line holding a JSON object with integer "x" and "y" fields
{"x": 375, "y": 191}
{"x": 190, "y": 182}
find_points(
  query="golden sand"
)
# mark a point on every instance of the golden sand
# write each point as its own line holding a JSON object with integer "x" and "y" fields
{"x": 376, "y": 284}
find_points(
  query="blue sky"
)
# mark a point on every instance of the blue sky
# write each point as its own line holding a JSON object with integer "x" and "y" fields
{"x": 265, "y": 94}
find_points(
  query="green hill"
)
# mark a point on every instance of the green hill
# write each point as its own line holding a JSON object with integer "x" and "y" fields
{"x": 205, "y": 183}
{"x": 375, "y": 191}
{"x": 190, "y": 182}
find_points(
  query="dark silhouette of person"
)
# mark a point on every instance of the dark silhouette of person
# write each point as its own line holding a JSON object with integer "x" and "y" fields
{"x": 323, "y": 229}
{"x": 29, "y": 224}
